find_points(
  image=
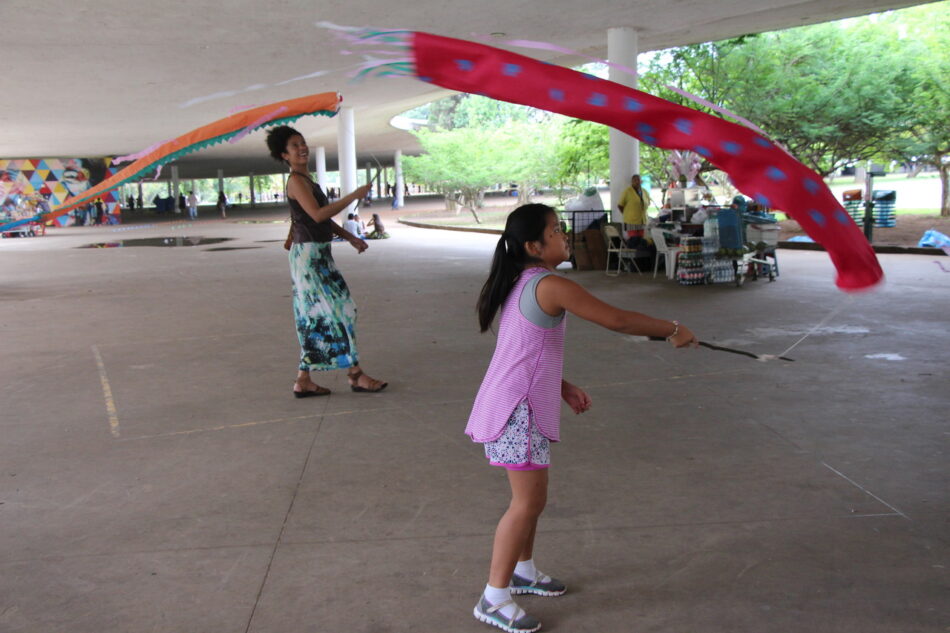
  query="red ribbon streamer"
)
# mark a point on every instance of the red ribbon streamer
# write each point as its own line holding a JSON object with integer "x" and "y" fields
{"x": 755, "y": 164}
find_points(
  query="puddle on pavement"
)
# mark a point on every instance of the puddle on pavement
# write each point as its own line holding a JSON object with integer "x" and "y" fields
{"x": 180, "y": 240}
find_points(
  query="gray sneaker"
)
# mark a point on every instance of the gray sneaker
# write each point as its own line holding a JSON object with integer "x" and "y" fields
{"x": 491, "y": 614}
{"x": 541, "y": 585}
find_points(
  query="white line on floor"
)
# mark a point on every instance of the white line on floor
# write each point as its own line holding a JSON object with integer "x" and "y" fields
{"x": 864, "y": 490}
{"x": 242, "y": 425}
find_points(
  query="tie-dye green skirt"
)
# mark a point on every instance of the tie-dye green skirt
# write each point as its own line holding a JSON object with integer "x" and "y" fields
{"x": 323, "y": 308}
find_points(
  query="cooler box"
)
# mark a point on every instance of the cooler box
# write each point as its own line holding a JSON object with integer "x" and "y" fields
{"x": 767, "y": 233}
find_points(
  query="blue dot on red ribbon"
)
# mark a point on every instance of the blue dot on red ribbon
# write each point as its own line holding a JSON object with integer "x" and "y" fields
{"x": 842, "y": 217}
{"x": 731, "y": 147}
{"x": 811, "y": 186}
{"x": 817, "y": 216}
{"x": 597, "y": 99}
{"x": 557, "y": 95}
{"x": 763, "y": 200}
{"x": 703, "y": 151}
{"x": 774, "y": 173}
{"x": 761, "y": 142}
{"x": 645, "y": 128}
{"x": 511, "y": 70}
{"x": 629, "y": 103}
{"x": 465, "y": 64}
{"x": 684, "y": 125}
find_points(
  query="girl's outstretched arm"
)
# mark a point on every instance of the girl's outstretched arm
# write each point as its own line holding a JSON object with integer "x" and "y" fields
{"x": 556, "y": 294}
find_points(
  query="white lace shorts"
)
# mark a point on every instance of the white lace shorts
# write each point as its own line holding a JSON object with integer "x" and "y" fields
{"x": 521, "y": 446}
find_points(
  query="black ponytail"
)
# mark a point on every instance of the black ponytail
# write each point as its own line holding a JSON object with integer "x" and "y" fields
{"x": 525, "y": 224}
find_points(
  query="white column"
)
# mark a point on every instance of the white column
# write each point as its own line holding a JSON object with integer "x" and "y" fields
{"x": 346, "y": 146}
{"x": 624, "y": 149}
{"x": 397, "y": 166}
{"x": 220, "y": 180}
{"x": 139, "y": 201}
{"x": 175, "y": 187}
{"x": 250, "y": 179}
{"x": 322, "y": 168}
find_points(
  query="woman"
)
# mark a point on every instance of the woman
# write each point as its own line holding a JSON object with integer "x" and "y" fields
{"x": 379, "y": 231}
{"x": 222, "y": 204}
{"x": 324, "y": 310}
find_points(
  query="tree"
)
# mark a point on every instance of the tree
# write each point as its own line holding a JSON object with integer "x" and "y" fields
{"x": 464, "y": 161}
{"x": 927, "y": 137}
{"x": 830, "y": 93}
{"x": 582, "y": 154}
{"x": 479, "y": 142}
{"x": 530, "y": 154}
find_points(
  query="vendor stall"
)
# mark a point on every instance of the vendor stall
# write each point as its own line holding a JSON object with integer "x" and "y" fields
{"x": 727, "y": 247}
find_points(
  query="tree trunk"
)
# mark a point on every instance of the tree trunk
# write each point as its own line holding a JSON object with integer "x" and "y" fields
{"x": 944, "y": 183}
{"x": 450, "y": 204}
{"x": 475, "y": 215}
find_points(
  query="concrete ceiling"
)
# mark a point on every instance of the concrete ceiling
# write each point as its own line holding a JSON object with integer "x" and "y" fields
{"x": 91, "y": 78}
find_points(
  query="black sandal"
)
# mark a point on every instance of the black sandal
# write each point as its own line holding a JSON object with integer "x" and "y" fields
{"x": 354, "y": 378}
{"x": 312, "y": 393}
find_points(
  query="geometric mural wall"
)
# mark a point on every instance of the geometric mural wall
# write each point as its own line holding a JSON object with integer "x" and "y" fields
{"x": 29, "y": 184}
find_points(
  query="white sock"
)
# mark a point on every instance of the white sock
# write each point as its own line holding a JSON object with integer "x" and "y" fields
{"x": 495, "y": 596}
{"x": 526, "y": 569}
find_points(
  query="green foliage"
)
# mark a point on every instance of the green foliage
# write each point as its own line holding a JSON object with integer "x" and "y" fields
{"x": 926, "y": 139}
{"x": 475, "y": 111}
{"x": 831, "y": 93}
{"x": 480, "y": 143}
{"x": 582, "y": 153}
{"x": 464, "y": 160}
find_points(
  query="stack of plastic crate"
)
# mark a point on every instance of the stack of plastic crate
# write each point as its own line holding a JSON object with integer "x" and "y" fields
{"x": 854, "y": 204}
{"x": 884, "y": 213}
{"x": 690, "y": 270}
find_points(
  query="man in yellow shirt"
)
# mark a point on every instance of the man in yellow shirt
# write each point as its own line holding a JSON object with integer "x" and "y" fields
{"x": 633, "y": 204}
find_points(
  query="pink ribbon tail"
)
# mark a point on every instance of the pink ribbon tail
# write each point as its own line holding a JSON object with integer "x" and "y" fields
{"x": 719, "y": 109}
{"x": 259, "y": 122}
{"x": 145, "y": 152}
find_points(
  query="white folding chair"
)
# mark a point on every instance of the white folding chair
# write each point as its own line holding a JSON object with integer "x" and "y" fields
{"x": 669, "y": 253}
{"x": 616, "y": 245}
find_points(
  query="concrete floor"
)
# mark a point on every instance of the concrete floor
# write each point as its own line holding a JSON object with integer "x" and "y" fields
{"x": 157, "y": 475}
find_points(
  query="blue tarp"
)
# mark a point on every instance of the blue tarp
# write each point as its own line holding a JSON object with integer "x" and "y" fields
{"x": 934, "y": 239}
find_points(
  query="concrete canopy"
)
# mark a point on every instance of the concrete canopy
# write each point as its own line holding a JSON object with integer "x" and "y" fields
{"x": 111, "y": 77}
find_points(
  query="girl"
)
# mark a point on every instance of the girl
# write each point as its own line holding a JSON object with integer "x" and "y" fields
{"x": 517, "y": 409}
